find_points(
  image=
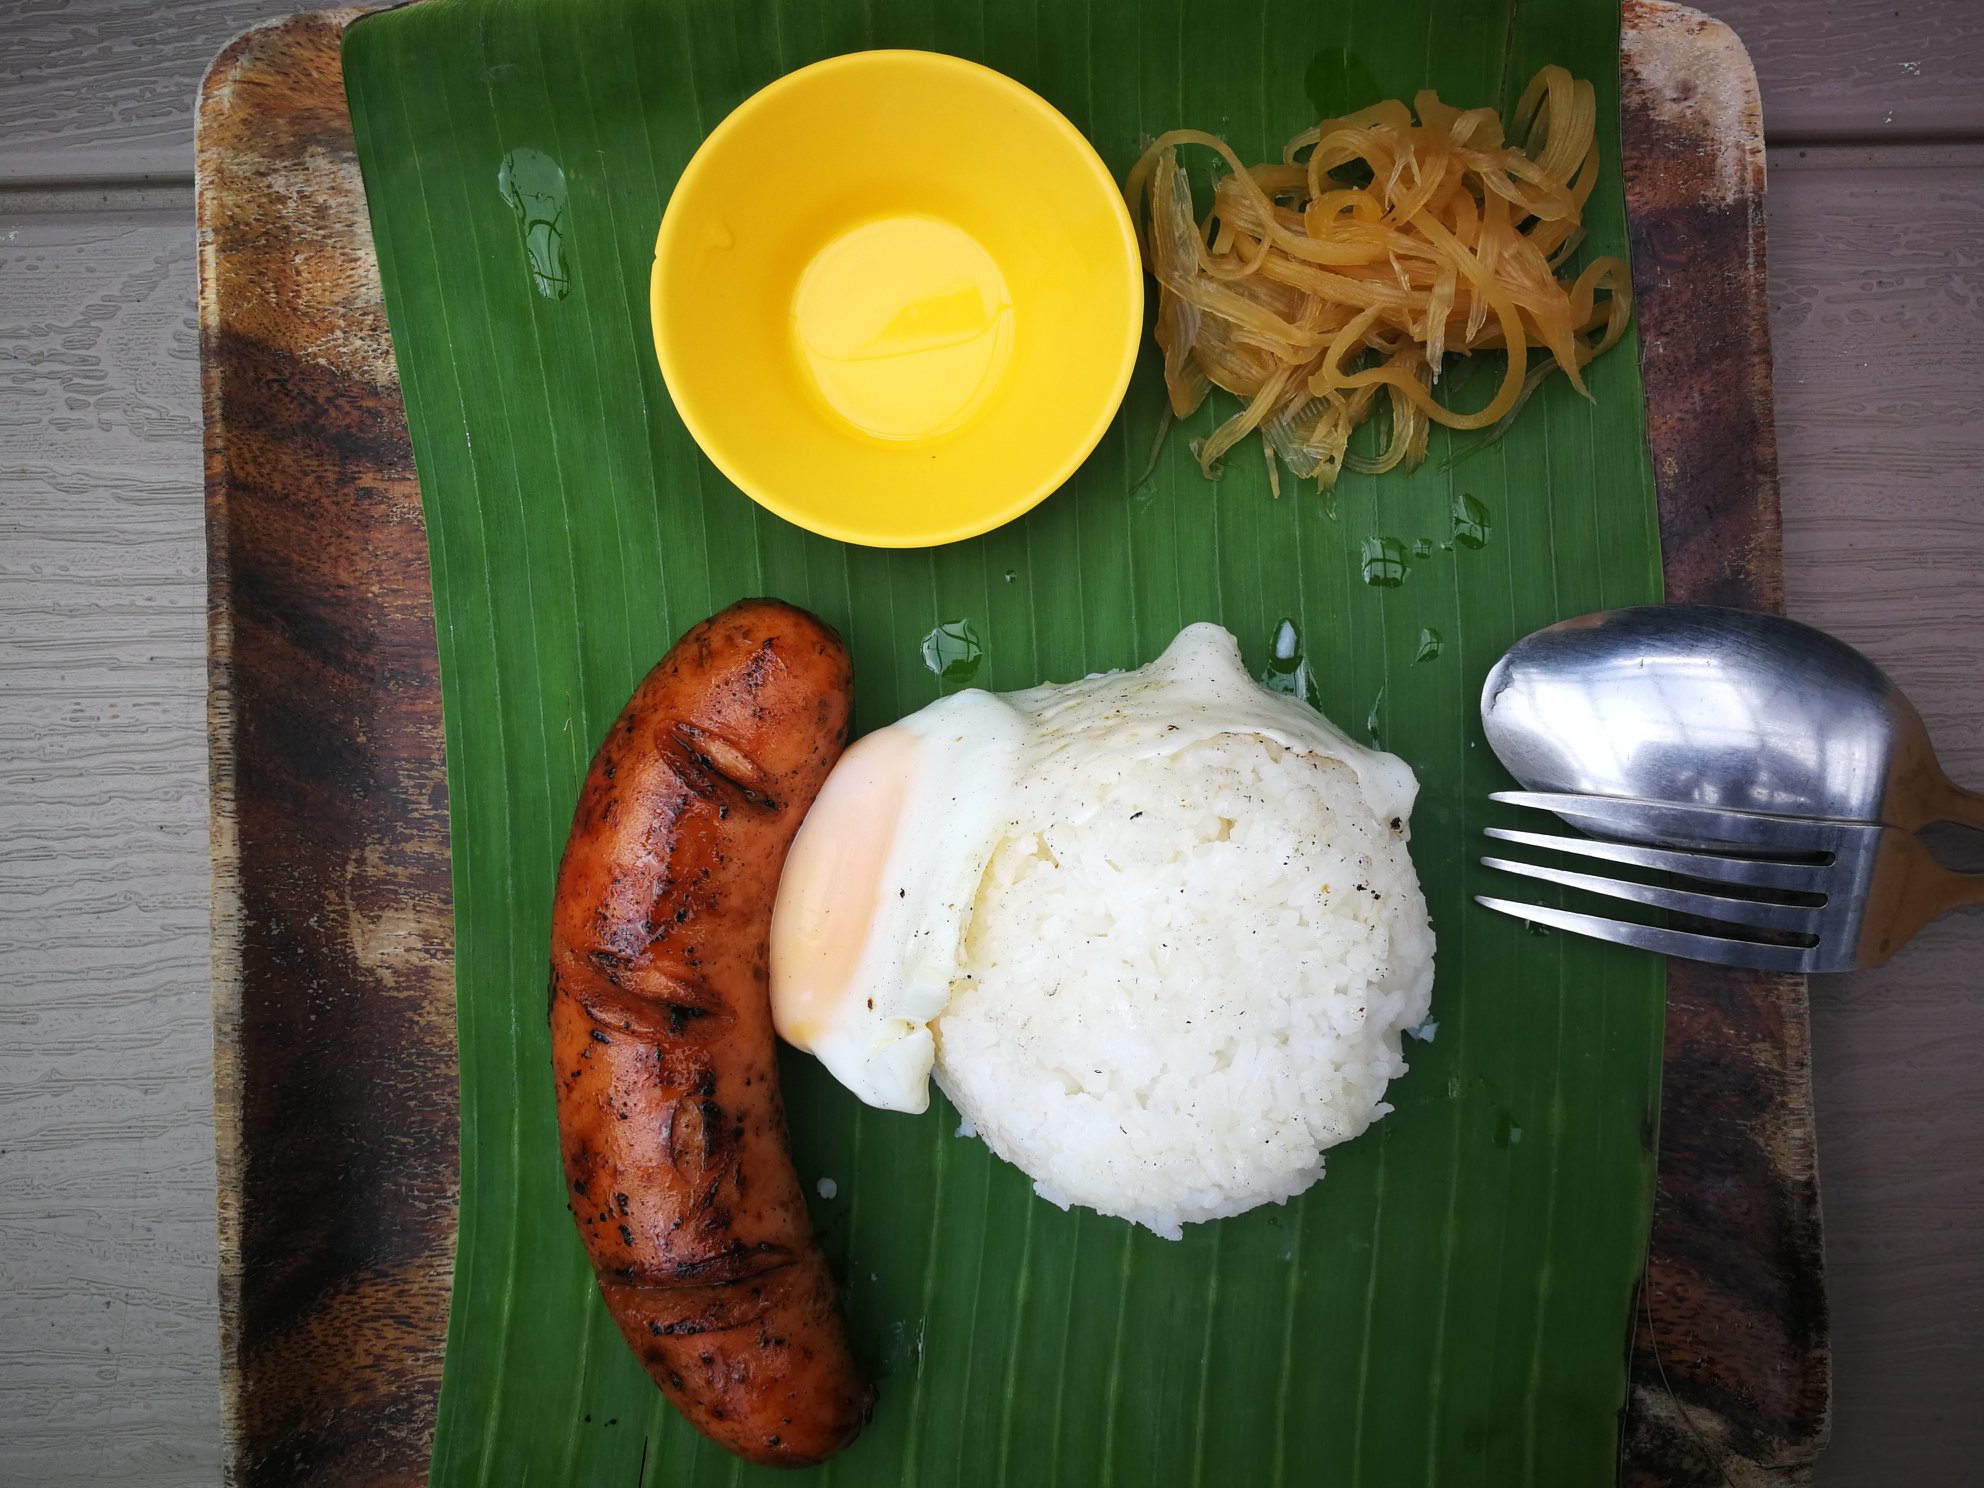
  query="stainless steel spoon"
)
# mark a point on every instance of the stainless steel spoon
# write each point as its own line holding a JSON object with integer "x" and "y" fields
{"x": 1725, "y": 709}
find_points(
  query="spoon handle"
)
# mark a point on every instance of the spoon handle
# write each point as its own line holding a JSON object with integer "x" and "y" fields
{"x": 1915, "y": 890}
{"x": 1964, "y": 807}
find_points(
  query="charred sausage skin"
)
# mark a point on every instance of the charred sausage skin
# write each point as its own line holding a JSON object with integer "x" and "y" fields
{"x": 669, "y": 1116}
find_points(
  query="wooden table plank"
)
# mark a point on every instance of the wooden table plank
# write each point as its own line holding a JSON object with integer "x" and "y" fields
{"x": 93, "y": 88}
{"x": 108, "y": 1370}
{"x": 1877, "y": 292}
{"x": 1877, "y": 280}
{"x": 1872, "y": 69}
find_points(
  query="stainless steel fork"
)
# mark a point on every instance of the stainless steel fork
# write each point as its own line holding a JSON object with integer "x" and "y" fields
{"x": 1811, "y": 895}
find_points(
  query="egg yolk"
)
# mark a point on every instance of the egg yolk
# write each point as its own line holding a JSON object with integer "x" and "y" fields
{"x": 832, "y": 884}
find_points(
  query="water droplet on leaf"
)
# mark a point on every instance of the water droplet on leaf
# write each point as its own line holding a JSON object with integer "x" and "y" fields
{"x": 534, "y": 186}
{"x": 1287, "y": 671}
{"x": 952, "y": 651}
{"x": 1384, "y": 562}
{"x": 1471, "y": 523}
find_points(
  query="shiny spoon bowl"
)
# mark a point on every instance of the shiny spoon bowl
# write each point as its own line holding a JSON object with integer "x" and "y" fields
{"x": 1724, "y": 709}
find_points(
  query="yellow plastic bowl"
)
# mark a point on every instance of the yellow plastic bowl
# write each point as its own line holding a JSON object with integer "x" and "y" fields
{"x": 896, "y": 298}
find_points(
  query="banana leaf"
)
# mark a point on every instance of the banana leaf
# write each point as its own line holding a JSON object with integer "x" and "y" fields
{"x": 1451, "y": 1304}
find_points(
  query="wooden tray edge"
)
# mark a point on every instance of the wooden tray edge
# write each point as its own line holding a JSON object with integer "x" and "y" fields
{"x": 333, "y": 1314}
{"x": 1729, "y": 1384}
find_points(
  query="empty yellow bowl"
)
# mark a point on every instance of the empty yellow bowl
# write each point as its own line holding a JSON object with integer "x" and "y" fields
{"x": 896, "y": 297}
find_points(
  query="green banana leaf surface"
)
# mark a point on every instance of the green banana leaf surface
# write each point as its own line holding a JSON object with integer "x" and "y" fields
{"x": 1451, "y": 1304}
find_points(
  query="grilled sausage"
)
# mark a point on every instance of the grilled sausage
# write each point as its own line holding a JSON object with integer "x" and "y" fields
{"x": 669, "y": 1114}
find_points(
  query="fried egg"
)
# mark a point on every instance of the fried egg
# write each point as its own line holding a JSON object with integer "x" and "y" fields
{"x": 879, "y": 891}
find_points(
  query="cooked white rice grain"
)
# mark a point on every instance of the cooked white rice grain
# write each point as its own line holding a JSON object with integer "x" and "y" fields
{"x": 1170, "y": 1001}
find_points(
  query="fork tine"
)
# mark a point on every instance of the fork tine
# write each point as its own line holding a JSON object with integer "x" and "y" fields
{"x": 1796, "y": 918}
{"x": 1685, "y": 826}
{"x": 1754, "y": 873}
{"x": 1662, "y": 942}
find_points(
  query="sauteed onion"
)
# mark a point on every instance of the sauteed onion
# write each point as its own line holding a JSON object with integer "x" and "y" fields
{"x": 1348, "y": 274}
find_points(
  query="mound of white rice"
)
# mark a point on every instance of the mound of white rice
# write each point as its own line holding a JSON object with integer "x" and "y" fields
{"x": 1172, "y": 997}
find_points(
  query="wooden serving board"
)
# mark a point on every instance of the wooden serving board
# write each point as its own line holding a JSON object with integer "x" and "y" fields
{"x": 333, "y": 950}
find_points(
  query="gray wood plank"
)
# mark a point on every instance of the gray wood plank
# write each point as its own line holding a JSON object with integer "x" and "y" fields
{"x": 106, "y": 87}
{"x": 1832, "y": 69}
{"x": 108, "y": 1344}
{"x": 92, "y": 88}
{"x": 1877, "y": 286}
